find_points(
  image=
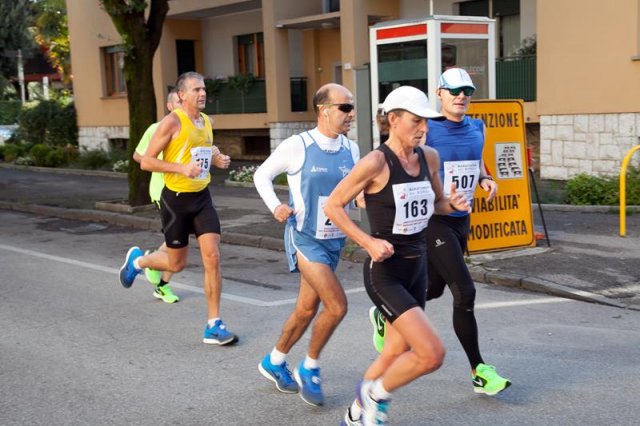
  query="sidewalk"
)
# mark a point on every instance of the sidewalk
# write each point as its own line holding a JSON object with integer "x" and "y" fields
{"x": 587, "y": 259}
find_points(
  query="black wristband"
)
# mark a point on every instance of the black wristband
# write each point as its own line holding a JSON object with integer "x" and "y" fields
{"x": 485, "y": 177}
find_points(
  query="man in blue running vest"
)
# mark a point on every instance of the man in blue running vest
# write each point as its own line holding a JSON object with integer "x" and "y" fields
{"x": 315, "y": 161}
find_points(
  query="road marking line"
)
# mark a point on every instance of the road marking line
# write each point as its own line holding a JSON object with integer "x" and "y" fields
{"x": 249, "y": 300}
{"x": 494, "y": 305}
{"x": 176, "y": 284}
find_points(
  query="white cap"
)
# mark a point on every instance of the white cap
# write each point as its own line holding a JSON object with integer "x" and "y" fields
{"x": 410, "y": 99}
{"x": 454, "y": 78}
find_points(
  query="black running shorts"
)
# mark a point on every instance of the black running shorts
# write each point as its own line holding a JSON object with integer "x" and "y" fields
{"x": 397, "y": 284}
{"x": 185, "y": 213}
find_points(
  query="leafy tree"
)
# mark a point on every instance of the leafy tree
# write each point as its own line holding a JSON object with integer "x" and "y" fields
{"x": 16, "y": 17}
{"x": 140, "y": 37}
{"x": 52, "y": 33}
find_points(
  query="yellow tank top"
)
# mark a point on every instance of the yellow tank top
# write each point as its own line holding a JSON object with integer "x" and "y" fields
{"x": 192, "y": 144}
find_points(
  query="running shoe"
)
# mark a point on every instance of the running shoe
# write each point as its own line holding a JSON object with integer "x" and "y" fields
{"x": 379, "y": 325}
{"x": 279, "y": 374}
{"x": 487, "y": 381}
{"x": 218, "y": 334}
{"x": 348, "y": 419}
{"x": 153, "y": 276}
{"x": 165, "y": 293}
{"x": 309, "y": 384}
{"x": 128, "y": 272}
{"x": 373, "y": 412}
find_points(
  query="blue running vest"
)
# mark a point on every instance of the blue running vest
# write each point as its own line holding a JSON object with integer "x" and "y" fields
{"x": 460, "y": 147}
{"x": 319, "y": 175}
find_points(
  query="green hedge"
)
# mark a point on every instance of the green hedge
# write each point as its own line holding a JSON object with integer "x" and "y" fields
{"x": 585, "y": 189}
{"x": 48, "y": 122}
{"x": 9, "y": 111}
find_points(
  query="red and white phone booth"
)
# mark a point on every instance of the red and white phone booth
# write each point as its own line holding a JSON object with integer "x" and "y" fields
{"x": 415, "y": 52}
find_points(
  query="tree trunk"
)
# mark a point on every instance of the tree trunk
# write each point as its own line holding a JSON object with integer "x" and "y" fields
{"x": 142, "y": 113}
{"x": 141, "y": 39}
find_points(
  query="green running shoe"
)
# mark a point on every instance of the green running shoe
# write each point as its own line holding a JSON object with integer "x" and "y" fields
{"x": 165, "y": 294}
{"x": 379, "y": 324}
{"x": 487, "y": 381}
{"x": 152, "y": 275}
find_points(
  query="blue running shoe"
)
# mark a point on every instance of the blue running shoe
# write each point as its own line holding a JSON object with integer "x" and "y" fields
{"x": 279, "y": 374}
{"x": 309, "y": 384}
{"x": 128, "y": 272}
{"x": 218, "y": 334}
{"x": 373, "y": 412}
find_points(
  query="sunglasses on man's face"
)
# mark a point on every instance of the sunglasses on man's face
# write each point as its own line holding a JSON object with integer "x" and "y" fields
{"x": 346, "y": 108}
{"x": 468, "y": 91}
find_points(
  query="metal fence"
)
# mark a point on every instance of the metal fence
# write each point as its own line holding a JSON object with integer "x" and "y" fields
{"x": 516, "y": 78}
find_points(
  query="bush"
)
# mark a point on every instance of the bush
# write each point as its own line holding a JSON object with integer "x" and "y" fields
{"x": 94, "y": 159}
{"x": 13, "y": 151}
{"x": 245, "y": 174}
{"x": 121, "y": 166}
{"x": 24, "y": 161}
{"x": 46, "y": 156}
{"x": 56, "y": 157}
{"x": 242, "y": 174}
{"x": 49, "y": 122}
{"x": 9, "y": 111}
{"x": 39, "y": 154}
{"x": 584, "y": 189}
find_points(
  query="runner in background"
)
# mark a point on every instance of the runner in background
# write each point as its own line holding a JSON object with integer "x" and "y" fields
{"x": 160, "y": 279}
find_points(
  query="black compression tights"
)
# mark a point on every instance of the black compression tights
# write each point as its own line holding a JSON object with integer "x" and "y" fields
{"x": 466, "y": 328}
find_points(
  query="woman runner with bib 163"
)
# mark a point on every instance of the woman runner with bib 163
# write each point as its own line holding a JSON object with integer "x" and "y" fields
{"x": 402, "y": 189}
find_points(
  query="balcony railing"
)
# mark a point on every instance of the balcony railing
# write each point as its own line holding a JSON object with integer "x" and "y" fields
{"x": 516, "y": 78}
{"x": 227, "y": 100}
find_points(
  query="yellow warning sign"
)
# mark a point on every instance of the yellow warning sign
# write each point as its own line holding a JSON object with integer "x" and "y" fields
{"x": 506, "y": 221}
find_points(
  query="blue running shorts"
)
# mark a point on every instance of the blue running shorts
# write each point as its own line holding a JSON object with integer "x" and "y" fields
{"x": 314, "y": 250}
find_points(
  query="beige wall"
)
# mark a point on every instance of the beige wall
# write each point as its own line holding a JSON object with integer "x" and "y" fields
{"x": 217, "y": 35}
{"x": 89, "y": 35}
{"x": 90, "y": 28}
{"x": 585, "y": 57}
{"x": 166, "y": 73}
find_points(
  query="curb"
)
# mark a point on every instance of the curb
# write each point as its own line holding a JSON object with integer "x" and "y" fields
{"x": 60, "y": 171}
{"x": 356, "y": 255}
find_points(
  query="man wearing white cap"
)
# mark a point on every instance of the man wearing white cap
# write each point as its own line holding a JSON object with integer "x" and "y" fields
{"x": 402, "y": 189}
{"x": 459, "y": 140}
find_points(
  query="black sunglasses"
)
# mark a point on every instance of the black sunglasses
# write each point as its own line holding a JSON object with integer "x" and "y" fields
{"x": 346, "y": 108}
{"x": 468, "y": 91}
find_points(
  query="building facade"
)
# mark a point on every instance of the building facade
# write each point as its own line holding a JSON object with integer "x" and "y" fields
{"x": 263, "y": 60}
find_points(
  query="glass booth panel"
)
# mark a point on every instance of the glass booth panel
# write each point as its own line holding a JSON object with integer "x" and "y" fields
{"x": 472, "y": 55}
{"x": 401, "y": 64}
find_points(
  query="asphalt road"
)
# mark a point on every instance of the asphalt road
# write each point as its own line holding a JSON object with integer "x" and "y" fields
{"x": 78, "y": 349}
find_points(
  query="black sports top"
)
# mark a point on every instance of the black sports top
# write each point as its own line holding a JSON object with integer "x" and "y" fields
{"x": 399, "y": 212}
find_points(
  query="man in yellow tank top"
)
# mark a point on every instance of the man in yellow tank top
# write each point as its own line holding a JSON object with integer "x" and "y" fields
{"x": 185, "y": 138}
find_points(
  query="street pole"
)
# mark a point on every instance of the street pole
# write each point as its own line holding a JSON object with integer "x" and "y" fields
{"x": 21, "y": 76}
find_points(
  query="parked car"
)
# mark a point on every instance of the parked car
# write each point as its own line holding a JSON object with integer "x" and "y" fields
{"x": 6, "y": 131}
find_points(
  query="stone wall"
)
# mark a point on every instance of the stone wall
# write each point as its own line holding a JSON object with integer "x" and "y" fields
{"x": 93, "y": 138}
{"x": 281, "y": 131}
{"x": 590, "y": 143}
